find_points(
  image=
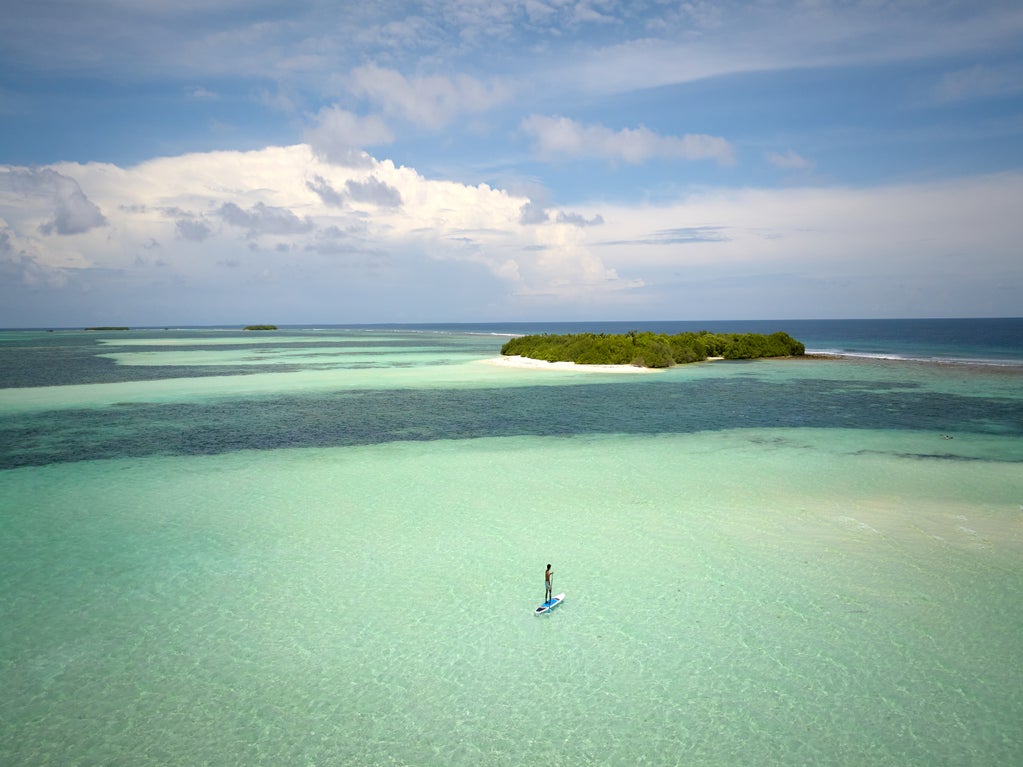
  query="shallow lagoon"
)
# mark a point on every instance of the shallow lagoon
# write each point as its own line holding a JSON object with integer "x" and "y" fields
{"x": 761, "y": 594}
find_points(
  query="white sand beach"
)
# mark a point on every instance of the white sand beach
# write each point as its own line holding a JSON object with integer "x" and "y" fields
{"x": 515, "y": 361}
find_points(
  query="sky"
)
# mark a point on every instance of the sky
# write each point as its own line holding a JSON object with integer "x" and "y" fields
{"x": 210, "y": 162}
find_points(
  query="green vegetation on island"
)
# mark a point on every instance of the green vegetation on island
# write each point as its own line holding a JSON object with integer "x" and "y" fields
{"x": 108, "y": 327}
{"x": 652, "y": 350}
{"x": 260, "y": 327}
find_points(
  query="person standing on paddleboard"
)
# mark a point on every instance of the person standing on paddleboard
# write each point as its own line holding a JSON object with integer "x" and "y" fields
{"x": 547, "y": 583}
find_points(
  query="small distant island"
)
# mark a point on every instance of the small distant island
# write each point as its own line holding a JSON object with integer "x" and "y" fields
{"x": 652, "y": 350}
{"x": 260, "y": 327}
{"x": 108, "y": 327}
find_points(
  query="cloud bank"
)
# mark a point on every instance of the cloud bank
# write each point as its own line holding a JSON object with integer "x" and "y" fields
{"x": 223, "y": 237}
{"x": 286, "y": 222}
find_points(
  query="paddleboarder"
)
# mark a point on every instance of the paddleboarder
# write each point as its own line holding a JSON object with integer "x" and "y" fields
{"x": 547, "y": 583}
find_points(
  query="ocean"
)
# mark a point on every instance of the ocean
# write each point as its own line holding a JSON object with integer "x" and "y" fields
{"x": 324, "y": 545}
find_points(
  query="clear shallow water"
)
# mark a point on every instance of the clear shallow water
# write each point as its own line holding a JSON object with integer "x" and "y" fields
{"x": 772, "y": 563}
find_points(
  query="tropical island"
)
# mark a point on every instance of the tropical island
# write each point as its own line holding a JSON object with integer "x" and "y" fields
{"x": 652, "y": 350}
{"x": 260, "y": 327}
{"x": 109, "y": 327}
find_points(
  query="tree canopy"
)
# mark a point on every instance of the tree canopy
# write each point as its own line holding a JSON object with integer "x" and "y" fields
{"x": 652, "y": 350}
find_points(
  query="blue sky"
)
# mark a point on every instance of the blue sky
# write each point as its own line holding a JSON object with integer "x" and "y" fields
{"x": 236, "y": 161}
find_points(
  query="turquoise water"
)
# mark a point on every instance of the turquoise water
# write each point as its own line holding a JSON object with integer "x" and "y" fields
{"x": 779, "y": 562}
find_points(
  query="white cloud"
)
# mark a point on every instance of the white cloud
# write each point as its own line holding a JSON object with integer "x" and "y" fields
{"x": 20, "y": 265}
{"x": 373, "y": 191}
{"x": 199, "y": 93}
{"x": 533, "y": 213}
{"x": 942, "y": 249}
{"x": 789, "y": 160}
{"x": 577, "y": 219}
{"x": 72, "y": 211}
{"x": 193, "y": 229}
{"x": 263, "y": 219}
{"x": 431, "y": 102}
{"x": 339, "y": 136}
{"x": 283, "y": 216}
{"x": 561, "y": 137}
{"x": 268, "y": 215}
{"x": 326, "y": 192}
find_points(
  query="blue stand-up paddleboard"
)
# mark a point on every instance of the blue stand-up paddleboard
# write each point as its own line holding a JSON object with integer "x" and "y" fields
{"x": 549, "y": 605}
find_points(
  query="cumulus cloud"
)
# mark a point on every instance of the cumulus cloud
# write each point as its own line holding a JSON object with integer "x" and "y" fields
{"x": 373, "y": 191}
{"x": 339, "y": 136}
{"x": 333, "y": 241}
{"x": 431, "y": 102}
{"x": 562, "y": 137}
{"x": 322, "y": 188}
{"x": 19, "y": 266}
{"x": 26, "y": 270}
{"x": 386, "y": 228}
{"x": 73, "y": 212}
{"x": 533, "y": 213}
{"x": 264, "y": 219}
{"x": 577, "y": 219}
{"x": 193, "y": 229}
